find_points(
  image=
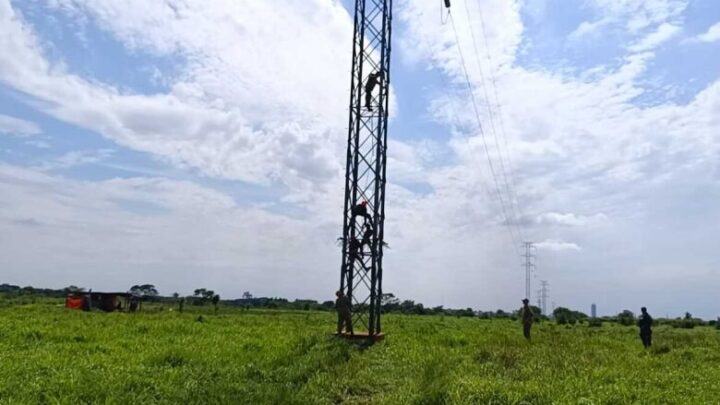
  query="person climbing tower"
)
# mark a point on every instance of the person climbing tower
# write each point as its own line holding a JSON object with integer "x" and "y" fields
{"x": 373, "y": 80}
{"x": 367, "y": 238}
{"x": 355, "y": 253}
{"x": 362, "y": 211}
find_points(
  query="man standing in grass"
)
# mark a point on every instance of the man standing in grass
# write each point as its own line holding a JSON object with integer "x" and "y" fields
{"x": 342, "y": 305}
{"x": 527, "y": 316}
{"x": 645, "y": 322}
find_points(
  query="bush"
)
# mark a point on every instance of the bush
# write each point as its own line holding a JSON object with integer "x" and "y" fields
{"x": 561, "y": 319}
{"x": 626, "y": 318}
{"x": 686, "y": 323}
{"x": 595, "y": 322}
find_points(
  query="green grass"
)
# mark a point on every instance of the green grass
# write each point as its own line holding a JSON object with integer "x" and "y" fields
{"x": 52, "y": 355}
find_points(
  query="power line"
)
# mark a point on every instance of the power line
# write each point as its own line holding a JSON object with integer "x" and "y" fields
{"x": 482, "y": 133}
{"x": 512, "y": 195}
{"x": 493, "y": 81}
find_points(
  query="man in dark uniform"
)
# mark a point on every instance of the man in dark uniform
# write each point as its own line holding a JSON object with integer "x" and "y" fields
{"x": 355, "y": 252}
{"x": 367, "y": 237}
{"x": 373, "y": 80}
{"x": 361, "y": 210}
{"x": 342, "y": 306}
{"x": 527, "y": 316}
{"x": 645, "y": 322}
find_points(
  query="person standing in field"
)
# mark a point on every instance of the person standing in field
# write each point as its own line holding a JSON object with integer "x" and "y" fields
{"x": 342, "y": 306}
{"x": 645, "y": 322}
{"x": 527, "y": 317}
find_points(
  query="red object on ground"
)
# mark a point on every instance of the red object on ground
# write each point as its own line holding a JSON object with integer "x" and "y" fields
{"x": 74, "y": 302}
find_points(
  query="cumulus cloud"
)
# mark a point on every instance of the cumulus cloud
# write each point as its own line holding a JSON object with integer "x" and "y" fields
{"x": 175, "y": 234}
{"x": 578, "y": 144}
{"x": 637, "y": 16}
{"x": 663, "y": 33}
{"x": 569, "y": 219}
{"x": 18, "y": 127}
{"x": 711, "y": 35}
{"x": 76, "y": 158}
{"x": 587, "y": 28}
{"x": 557, "y": 245}
{"x": 245, "y": 115}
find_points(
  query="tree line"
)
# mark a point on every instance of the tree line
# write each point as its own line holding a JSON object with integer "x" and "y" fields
{"x": 389, "y": 304}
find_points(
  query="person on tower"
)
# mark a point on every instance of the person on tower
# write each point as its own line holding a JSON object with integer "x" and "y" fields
{"x": 361, "y": 210}
{"x": 367, "y": 237}
{"x": 373, "y": 80}
{"x": 355, "y": 253}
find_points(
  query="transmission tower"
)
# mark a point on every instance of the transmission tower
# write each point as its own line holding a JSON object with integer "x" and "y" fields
{"x": 544, "y": 295}
{"x": 361, "y": 270}
{"x": 529, "y": 255}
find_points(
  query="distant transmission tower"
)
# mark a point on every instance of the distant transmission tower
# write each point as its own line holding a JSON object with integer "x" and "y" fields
{"x": 529, "y": 256}
{"x": 543, "y": 295}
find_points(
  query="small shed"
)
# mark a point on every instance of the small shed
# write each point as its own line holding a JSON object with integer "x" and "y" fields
{"x": 106, "y": 301}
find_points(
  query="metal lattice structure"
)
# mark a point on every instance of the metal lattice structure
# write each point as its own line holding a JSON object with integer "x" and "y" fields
{"x": 362, "y": 270}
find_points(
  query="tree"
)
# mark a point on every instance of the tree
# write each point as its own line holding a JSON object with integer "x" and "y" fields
{"x": 247, "y": 296}
{"x": 626, "y": 317}
{"x": 145, "y": 291}
{"x": 73, "y": 289}
{"x": 215, "y": 300}
{"x": 203, "y": 295}
{"x": 27, "y": 290}
{"x": 389, "y": 302}
{"x": 407, "y": 306}
{"x": 564, "y": 316}
{"x": 537, "y": 312}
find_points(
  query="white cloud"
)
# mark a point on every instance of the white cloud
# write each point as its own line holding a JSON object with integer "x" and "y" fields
{"x": 661, "y": 35}
{"x": 711, "y": 35}
{"x": 579, "y": 146}
{"x": 557, "y": 245}
{"x": 18, "y": 127}
{"x": 587, "y": 28}
{"x": 640, "y": 15}
{"x": 569, "y": 219}
{"x": 38, "y": 144}
{"x": 76, "y": 158}
{"x": 272, "y": 112}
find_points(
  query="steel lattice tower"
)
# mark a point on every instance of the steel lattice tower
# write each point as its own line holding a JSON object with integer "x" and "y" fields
{"x": 361, "y": 274}
{"x": 529, "y": 256}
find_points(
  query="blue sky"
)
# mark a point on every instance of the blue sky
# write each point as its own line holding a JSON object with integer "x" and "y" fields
{"x": 192, "y": 145}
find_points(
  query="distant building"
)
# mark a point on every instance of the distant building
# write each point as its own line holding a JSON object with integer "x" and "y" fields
{"x": 107, "y": 302}
{"x": 593, "y": 311}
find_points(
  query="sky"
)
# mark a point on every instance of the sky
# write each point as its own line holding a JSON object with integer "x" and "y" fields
{"x": 188, "y": 144}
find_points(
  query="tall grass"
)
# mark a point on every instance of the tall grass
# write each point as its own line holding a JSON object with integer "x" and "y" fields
{"x": 52, "y": 355}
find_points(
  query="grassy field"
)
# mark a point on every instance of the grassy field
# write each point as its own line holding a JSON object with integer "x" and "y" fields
{"x": 52, "y": 355}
